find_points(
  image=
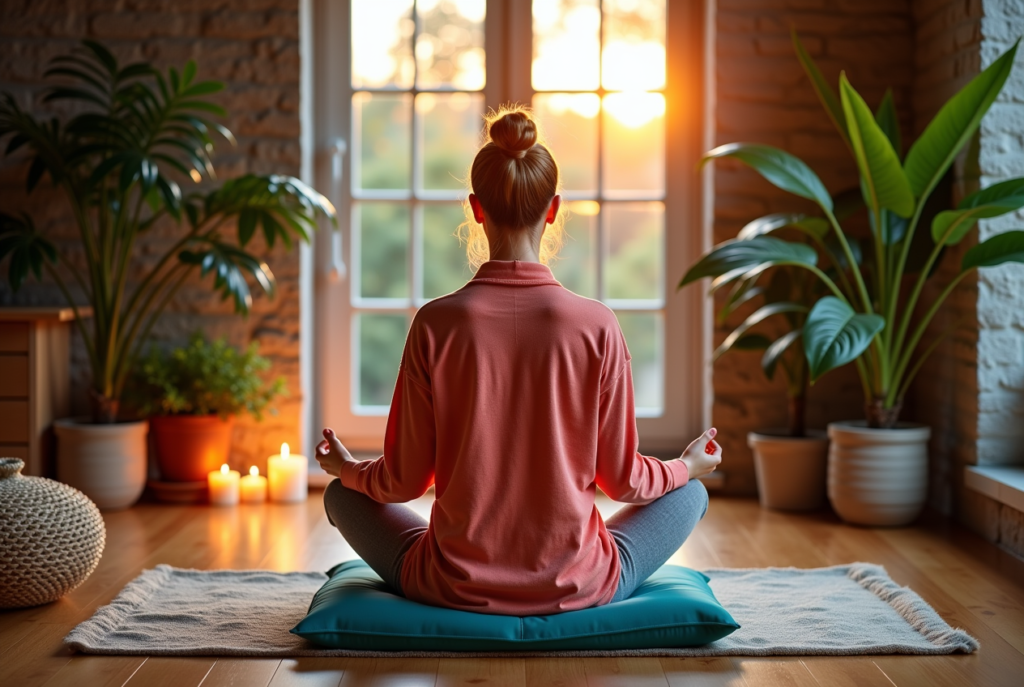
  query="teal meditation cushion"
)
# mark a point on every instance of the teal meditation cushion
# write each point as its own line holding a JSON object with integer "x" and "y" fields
{"x": 356, "y": 610}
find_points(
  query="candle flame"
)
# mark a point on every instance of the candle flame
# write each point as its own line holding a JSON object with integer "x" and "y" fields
{"x": 285, "y": 451}
{"x": 224, "y": 469}
{"x": 254, "y": 471}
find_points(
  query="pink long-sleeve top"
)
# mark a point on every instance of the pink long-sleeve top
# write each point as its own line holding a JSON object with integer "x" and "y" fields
{"x": 515, "y": 400}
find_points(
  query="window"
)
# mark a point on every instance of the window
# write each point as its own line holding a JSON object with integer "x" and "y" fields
{"x": 409, "y": 84}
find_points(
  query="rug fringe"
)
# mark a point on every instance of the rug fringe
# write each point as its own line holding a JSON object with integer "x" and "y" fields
{"x": 915, "y": 610}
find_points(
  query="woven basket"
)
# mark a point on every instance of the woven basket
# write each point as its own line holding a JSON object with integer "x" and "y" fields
{"x": 51, "y": 537}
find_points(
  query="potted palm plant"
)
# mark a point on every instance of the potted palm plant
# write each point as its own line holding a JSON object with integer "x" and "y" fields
{"x": 790, "y": 462}
{"x": 192, "y": 395}
{"x": 873, "y": 314}
{"x": 139, "y": 135}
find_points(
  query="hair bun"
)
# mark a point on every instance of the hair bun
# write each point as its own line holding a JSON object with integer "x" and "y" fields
{"x": 514, "y": 132}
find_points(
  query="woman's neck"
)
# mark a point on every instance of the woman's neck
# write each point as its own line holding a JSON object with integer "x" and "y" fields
{"x": 520, "y": 244}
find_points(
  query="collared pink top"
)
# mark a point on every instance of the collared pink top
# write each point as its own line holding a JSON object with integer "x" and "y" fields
{"x": 515, "y": 399}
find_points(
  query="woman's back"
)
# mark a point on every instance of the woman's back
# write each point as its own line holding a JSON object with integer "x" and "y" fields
{"x": 515, "y": 399}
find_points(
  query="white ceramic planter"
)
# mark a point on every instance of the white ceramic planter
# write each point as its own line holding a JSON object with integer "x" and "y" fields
{"x": 790, "y": 470}
{"x": 107, "y": 463}
{"x": 878, "y": 476}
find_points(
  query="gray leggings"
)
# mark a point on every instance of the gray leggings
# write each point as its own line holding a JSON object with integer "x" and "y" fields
{"x": 646, "y": 536}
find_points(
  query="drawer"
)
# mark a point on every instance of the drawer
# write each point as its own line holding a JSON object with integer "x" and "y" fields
{"x": 13, "y": 337}
{"x": 13, "y": 422}
{"x": 13, "y": 375}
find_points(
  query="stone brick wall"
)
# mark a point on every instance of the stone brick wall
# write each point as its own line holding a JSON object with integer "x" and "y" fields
{"x": 763, "y": 96}
{"x": 251, "y": 45}
{"x": 975, "y": 383}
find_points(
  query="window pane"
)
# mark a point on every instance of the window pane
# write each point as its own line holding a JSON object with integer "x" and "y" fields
{"x": 382, "y": 130}
{"x": 634, "y": 143}
{"x": 451, "y": 125}
{"x": 643, "y": 332}
{"x": 445, "y": 268}
{"x": 633, "y": 56}
{"x": 450, "y": 45}
{"x": 635, "y": 235}
{"x": 576, "y": 266}
{"x": 566, "y": 44}
{"x": 381, "y": 340}
{"x": 383, "y": 246}
{"x": 569, "y": 124}
{"x": 382, "y": 44}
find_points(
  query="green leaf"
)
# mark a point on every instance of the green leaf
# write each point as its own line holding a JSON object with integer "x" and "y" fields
{"x": 889, "y": 122}
{"x": 189, "y": 72}
{"x": 246, "y": 226}
{"x": 954, "y": 124}
{"x": 773, "y": 353}
{"x": 105, "y": 57}
{"x": 835, "y": 335}
{"x": 822, "y": 88}
{"x": 1001, "y": 248}
{"x": 746, "y": 255}
{"x": 28, "y": 250}
{"x": 744, "y": 292}
{"x": 756, "y": 317}
{"x": 885, "y": 184}
{"x": 813, "y": 226}
{"x": 785, "y": 171}
{"x": 996, "y": 200}
{"x": 228, "y": 265}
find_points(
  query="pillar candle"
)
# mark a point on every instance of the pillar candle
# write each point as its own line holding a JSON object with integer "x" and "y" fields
{"x": 254, "y": 486}
{"x": 288, "y": 480}
{"x": 223, "y": 486}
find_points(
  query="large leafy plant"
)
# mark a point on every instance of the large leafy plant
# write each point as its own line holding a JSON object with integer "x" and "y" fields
{"x": 869, "y": 318}
{"x": 783, "y": 296}
{"x": 120, "y": 163}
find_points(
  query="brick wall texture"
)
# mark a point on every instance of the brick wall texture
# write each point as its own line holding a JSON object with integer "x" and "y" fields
{"x": 763, "y": 96}
{"x": 252, "y": 46}
{"x": 974, "y": 383}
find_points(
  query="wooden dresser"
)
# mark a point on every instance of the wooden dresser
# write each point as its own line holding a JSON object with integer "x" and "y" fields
{"x": 35, "y": 382}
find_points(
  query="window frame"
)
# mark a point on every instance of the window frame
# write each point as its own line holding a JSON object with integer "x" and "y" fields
{"x": 508, "y": 32}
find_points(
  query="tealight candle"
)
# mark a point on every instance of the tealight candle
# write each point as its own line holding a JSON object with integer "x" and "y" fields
{"x": 254, "y": 487}
{"x": 223, "y": 486}
{"x": 288, "y": 480}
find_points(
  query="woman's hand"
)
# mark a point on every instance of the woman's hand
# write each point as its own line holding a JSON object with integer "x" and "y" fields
{"x": 703, "y": 454}
{"x": 331, "y": 454}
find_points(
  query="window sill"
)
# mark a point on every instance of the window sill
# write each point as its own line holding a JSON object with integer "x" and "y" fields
{"x": 1005, "y": 484}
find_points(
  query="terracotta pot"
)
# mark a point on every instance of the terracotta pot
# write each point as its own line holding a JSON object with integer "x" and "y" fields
{"x": 188, "y": 447}
{"x": 790, "y": 470}
{"x": 107, "y": 463}
{"x": 878, "y": 476}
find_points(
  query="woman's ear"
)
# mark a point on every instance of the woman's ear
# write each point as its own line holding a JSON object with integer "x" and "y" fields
{"x": 478, "y": 210}
{"x": 556, "y": 203}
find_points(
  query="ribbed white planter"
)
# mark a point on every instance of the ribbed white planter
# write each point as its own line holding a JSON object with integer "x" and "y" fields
{"x": 790, "y": 470}
{"x": 878, "y": 476}
{"x": 107, "y": 463}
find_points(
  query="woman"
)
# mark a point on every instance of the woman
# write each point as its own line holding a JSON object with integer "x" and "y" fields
{"x": 515, "y": 400}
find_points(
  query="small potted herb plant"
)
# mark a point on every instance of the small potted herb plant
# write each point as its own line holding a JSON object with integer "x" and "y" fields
{"x": 192, "y": 395}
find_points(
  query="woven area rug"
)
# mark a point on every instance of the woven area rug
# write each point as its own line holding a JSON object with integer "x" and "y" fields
{"x": 842, "y": 610}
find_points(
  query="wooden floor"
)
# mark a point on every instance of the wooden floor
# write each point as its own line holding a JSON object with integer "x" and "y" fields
{"x": 969, "y": 582}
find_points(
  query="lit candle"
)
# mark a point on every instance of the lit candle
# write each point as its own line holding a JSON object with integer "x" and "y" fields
{"x": 254, "y": 487}
{"x": 223, "y": 485}
{"x": 288, "y": 480}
